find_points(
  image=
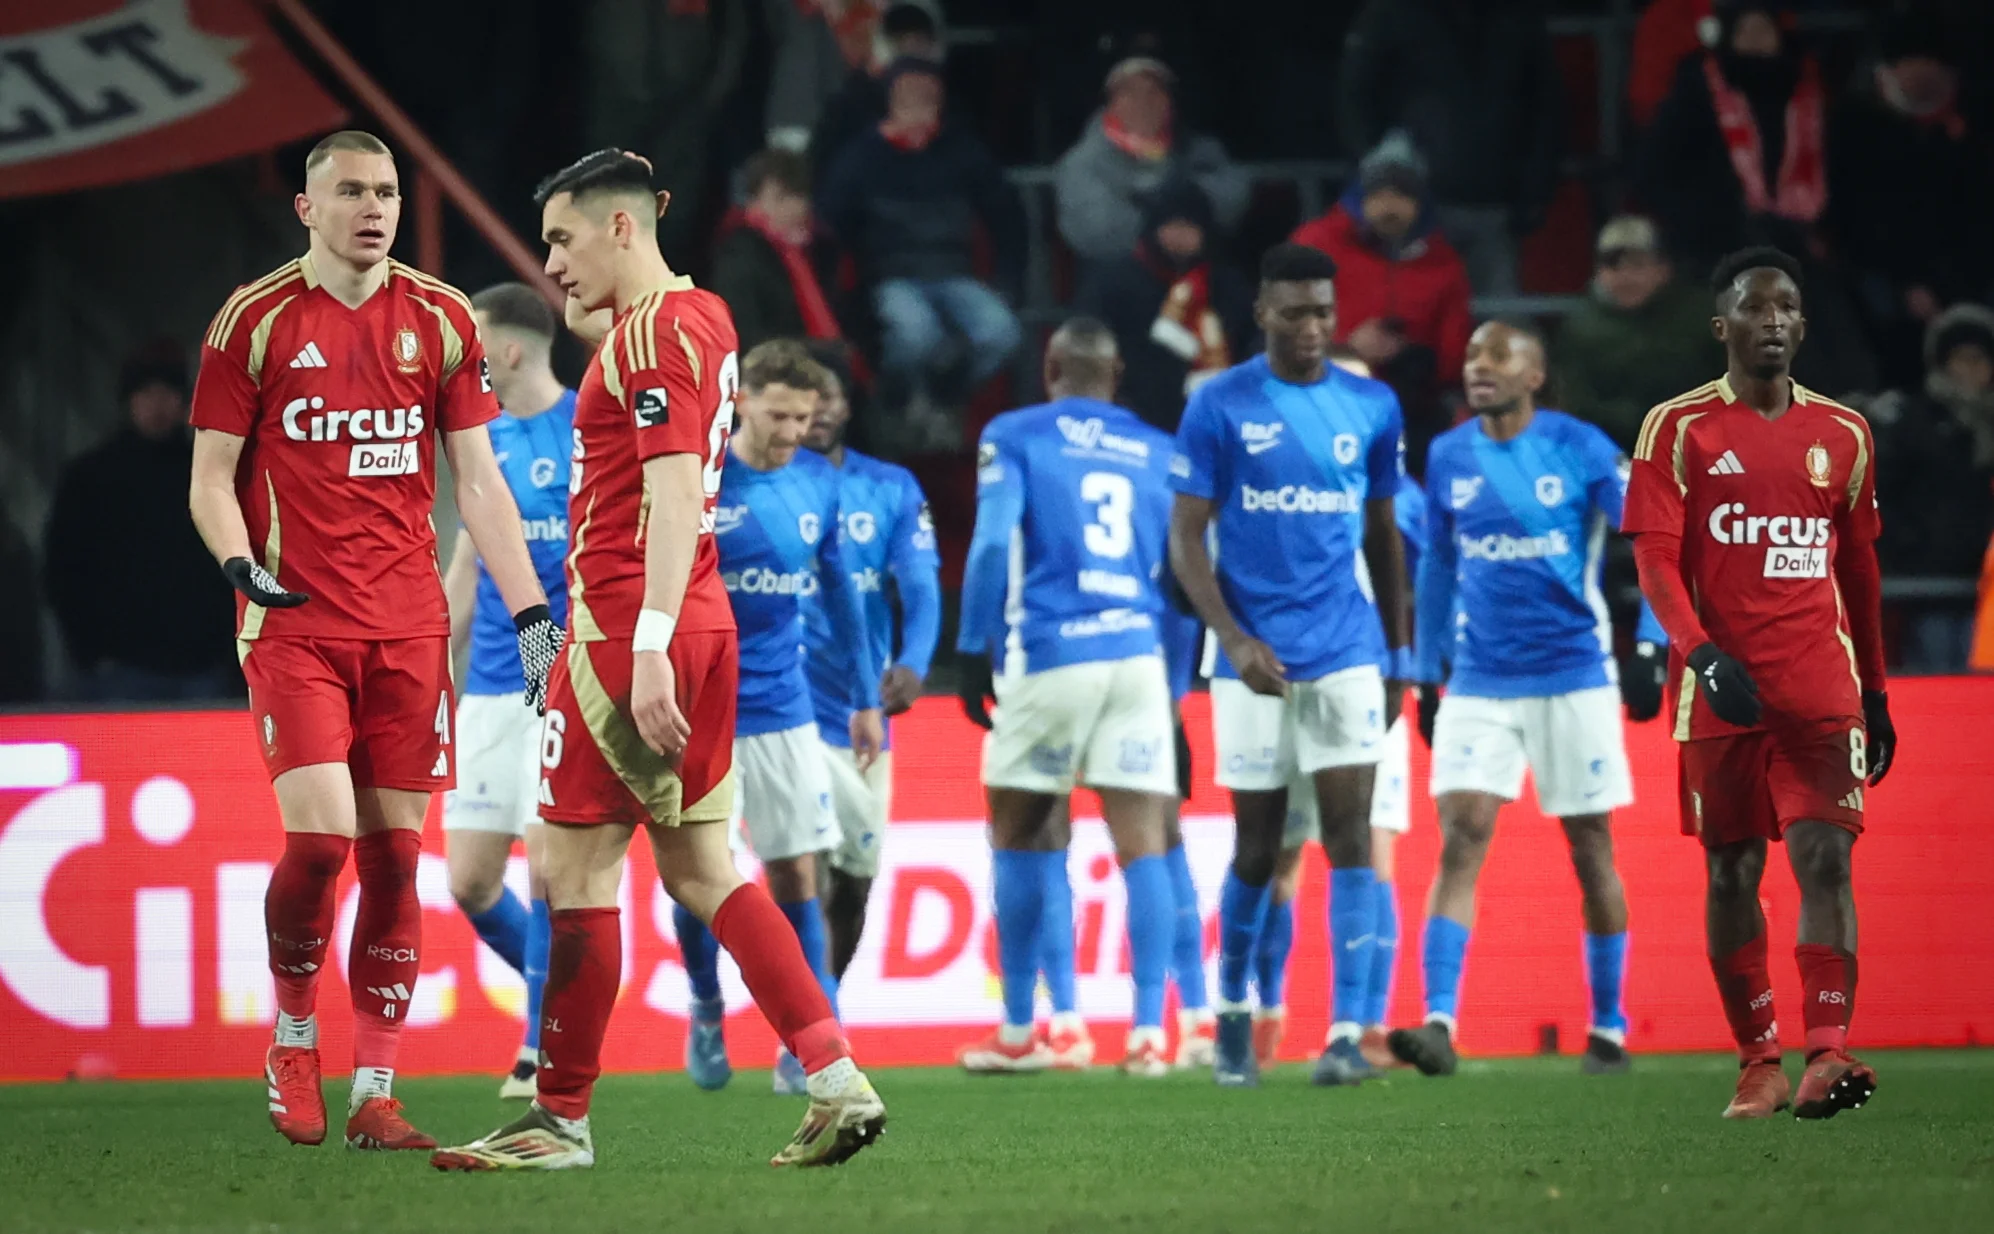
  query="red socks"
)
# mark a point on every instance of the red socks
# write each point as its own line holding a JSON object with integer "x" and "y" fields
{"x": 298, "y": 912}
{"x": 1828, "y": 995}
{"x": 763, "y": 944}
{"x": 584, "y": 968}
{"x": 387, "y": 943}
{"x": 1746, "y": 989}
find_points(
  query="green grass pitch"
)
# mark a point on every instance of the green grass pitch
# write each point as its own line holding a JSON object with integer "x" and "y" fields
{"x": 1507, "y": 1145}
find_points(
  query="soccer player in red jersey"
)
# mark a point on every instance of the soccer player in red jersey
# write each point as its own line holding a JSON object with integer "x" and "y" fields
{"x": 323, "y": 389}
{"x": 640, "y": 715}
{"x": 1753, "y": 504}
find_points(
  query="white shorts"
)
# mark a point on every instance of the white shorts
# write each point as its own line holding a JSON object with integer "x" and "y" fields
{"x": 1263, "y": 741}
{"x": 784, "y": 794}
{"x": 1391, "y": 808}
{"x": 1570, "y": 743}
{"x": 862, "y": 801}
{"x": 498, "y": 766}
{"x": 1107, "y": 724}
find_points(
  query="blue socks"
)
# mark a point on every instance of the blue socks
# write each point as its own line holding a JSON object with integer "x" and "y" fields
{"x": 1152, "y": 921}
{"x": 1445, "y": 949}
{"x": 1241, "y": 909}
{"x": 701, "y": 951}
{"x": 1353, "y": 941}
{"x": 807, "y": 919}
{"x": 1056, "y": 937}
{"x": 1606, "y": 974}
{"x": 539, "y": 933}
{"x": 1270, "y": 956}
{"x": 1187, "y": 946}
{"x": 503, "y": 927}
{"x": 1378, "y": 997}
{"x": 1018, "y": 890}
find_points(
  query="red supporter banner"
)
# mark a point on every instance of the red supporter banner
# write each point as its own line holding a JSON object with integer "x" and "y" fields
{"x": 134, "y": 851}
{"x": 96, "y": 92}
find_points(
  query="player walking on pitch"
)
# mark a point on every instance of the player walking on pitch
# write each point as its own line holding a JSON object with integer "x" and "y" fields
{"x": 1291, "y": 464}
{"x": 640, "y": 718}
{"x": 1519, "y": 502}
{"x": 1753, "y": 504}
{"x": 323, "y": 388}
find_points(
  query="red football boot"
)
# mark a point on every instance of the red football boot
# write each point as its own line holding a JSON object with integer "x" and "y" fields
{"x": 1832, "y": 1083}
{"x": 992, "y": 1055}
{"x": 379, "y": 1124}
{"x": 1763, "y": 1091}
{"x": 297, "y": 1101}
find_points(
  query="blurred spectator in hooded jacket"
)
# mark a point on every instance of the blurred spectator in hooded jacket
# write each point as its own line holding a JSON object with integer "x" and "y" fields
{"x": 1402, "y": 294}
{"x": 1475, "y": 84}
{"x": 1935, "y": 477}
{"x": 1130, "y": 148}
{"x": 120, "y": 513}
{"x": 904, "y": 29}
{"x": 1912, "y": 189}
{"x": 1641, "y": 336}
{"x": 770, "y": 264}
{"x": 1179, "y": 314}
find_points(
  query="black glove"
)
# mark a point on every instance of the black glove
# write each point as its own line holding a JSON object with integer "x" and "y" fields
{"x": 1429, "y": 711}
{"x": 1183, "y": 763}
{"x": 259, "y": 584}
{"x": 540, "y": 642}
{"x": 974, "y": 686}
{"x": 1641, "y": 680}
{"x": 1882, "y": 733}
{"x": 1727, "y": 687}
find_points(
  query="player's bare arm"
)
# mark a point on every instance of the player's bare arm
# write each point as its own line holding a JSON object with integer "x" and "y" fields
{"x": 1860, "y": 580}
{"x": 217, "y": 516}
{"x": 1258, "y": 666}
{"x": 671, "y": 535}
{"x": 491, "y": 519}
{"x": 1384, "y": 556}
{"x": 460, "y": 588}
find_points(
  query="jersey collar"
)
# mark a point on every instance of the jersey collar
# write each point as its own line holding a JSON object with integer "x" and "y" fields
{"x": 1801, "y": 394}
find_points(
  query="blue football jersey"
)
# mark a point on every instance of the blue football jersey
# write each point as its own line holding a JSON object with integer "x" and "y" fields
{"x": 1072, "y": 519}
{"x": 884, "y": 525}
{"x": 1289, "y": 468}
{"x": 1516, "y": 539}
{"x": 533, "y": 454}
{"x": 777, "y": 534}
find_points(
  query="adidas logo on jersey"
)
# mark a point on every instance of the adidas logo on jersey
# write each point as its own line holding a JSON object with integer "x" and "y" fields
{"x": 396, "y": 993}
{"x": 1853, "y": 801}
{"x": 310, "y": 357}
{"x": 1727, "y": 464}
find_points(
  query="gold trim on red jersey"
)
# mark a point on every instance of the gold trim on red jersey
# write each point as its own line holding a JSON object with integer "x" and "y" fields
{"x": 273, "y": 555}
{"x": 1651, "y": 427}
{"x": 453, "y": 342}
{"x": 1675, "y": 454}
{"x": 691, "y": 352}
{"x": 1859, "y": 470}
{"x": 646, "y": 773}
{"x": 587, "y": 629}
{"x": 1685, "y": 703}
{"x": 225, "y": 322}
{"x": 259, "y": 341}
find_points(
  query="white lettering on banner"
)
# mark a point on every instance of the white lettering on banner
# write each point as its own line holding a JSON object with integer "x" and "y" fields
{"x": 1514, "y": 548}
{"x": 1297, "y": 499}
{"x": 34, "y": 968}
{"x": 139, "y": 67}
{"x": 1729, "y": 524}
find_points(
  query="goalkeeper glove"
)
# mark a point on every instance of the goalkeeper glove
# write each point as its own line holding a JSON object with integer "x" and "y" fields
{"x": 1641, "y": 680}
{"x": 1429, "y": 711}
{"x": 540, "y": 642}
{"x": 259, "y": 584}
{"x": 1882, "y": 733}
{"x": 1727, "y": 687}
{"x": 975, "y": 685}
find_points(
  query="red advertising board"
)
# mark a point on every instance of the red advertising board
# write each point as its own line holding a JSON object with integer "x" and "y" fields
{"x": 134, "y": 850}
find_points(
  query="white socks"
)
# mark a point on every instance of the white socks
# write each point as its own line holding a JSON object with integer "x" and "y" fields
{"x": 831, "y": 1081}
{"x": 370, "y": 1082}
{"x": 573, "y": 1128}
{"x": 1014, "y": 1034}
{"x": 297, "y": 1034}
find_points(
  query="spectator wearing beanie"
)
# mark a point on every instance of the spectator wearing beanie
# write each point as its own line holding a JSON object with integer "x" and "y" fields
{"x": 1641, "y": 336}
{"x": 120, "y": 512}
{"x": 769, "y": 265}
{"x": 905, "y": 198}
{"x": 1179, "y": 315}
{"x": 1128, "y": 150}
{"x": 1402, "y": 294}
{"x": 1935, "y": 477}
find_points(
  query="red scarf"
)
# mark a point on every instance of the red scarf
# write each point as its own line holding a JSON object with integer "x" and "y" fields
{"x": 1802, "y": 191}
{"x": 1148, "y": 149}
{"x": 818, "y": 320}
{"x": 908, "y": 138}
{"x": 1187, "y": 327}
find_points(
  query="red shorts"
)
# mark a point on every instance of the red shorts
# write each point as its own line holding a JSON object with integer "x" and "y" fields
{"x": 1752, "y": 786}
{"x": 382, "y": 707}
{"x": 594, "y": 766}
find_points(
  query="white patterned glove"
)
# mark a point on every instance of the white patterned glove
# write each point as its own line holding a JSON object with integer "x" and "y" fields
{"x": 540, "y": 643}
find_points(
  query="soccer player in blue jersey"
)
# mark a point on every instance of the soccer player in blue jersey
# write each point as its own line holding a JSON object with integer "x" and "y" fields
{"x": 1062, "y": 593}
{"x": 891, "y": 538}
{"x": 1289, "y": 465}
{"x": 1197, "y": 1029}
{"x": 777, "y": 527}
{"x": 1512, "y": 620}
{"x": 498, "y": 737}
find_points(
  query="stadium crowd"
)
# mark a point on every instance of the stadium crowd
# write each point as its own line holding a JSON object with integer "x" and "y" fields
{"x": 860, "y": 201}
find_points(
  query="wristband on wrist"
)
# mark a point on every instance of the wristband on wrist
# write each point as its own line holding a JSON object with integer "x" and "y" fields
{"x": 654, "y": 630}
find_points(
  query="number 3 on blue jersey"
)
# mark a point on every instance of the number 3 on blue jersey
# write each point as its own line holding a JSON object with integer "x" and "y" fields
{"x": 1110, "y": 535}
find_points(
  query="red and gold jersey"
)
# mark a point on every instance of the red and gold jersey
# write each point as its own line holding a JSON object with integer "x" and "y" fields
{"x": 663, "y": 382}
{"x": 1761, "y": 506}
{"x": 340, "y": 410}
